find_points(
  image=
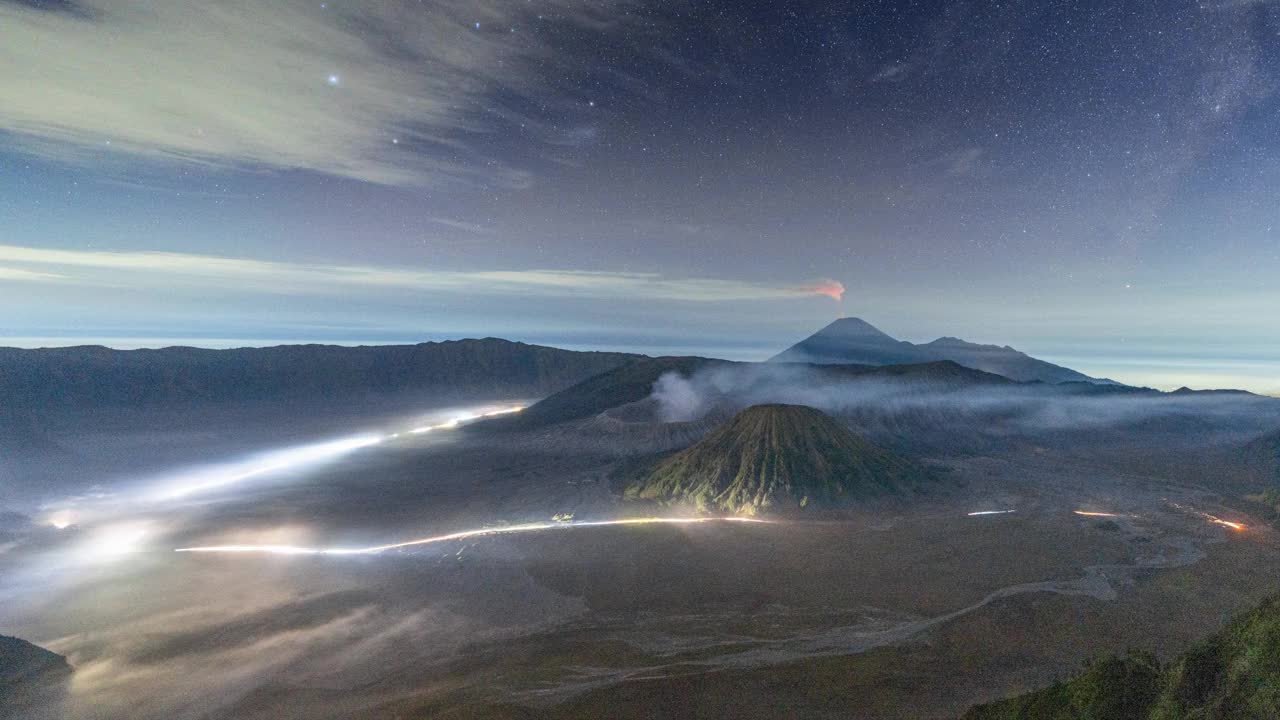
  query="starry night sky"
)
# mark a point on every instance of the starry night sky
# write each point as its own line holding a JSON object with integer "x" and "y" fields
{"x": 1095, "y": 183}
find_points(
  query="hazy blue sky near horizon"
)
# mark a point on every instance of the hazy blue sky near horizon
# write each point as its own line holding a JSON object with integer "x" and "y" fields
{"x": 1091, "y": 182}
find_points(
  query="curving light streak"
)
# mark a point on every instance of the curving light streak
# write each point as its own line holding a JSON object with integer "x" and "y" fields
{"x": 281, "y": 460}
{"x": 456, "y": 421}
{"x": 301, "y": 456}
{"x": 989, "y": 512}
{"x": 462, "y": 535}
{"x": 1212, "y": 518}
{"x": 1227, "y": 523}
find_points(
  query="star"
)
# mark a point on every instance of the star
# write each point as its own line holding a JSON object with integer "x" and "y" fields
{"x": 334, "y": 80}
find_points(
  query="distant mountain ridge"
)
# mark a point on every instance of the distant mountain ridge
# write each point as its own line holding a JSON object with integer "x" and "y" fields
{"x": 93, "y": 377}
{"x": 634, "y": 381}
{"x": 853, "y": 340}
{"x": 624, "y": 384}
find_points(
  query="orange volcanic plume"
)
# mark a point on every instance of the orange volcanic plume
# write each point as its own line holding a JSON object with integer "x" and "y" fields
{"x": 833, "y": 289}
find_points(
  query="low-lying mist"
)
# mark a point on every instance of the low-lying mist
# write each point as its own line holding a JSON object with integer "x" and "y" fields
{"x": 89, "y": 570}
{"x": 1002, "y": 406}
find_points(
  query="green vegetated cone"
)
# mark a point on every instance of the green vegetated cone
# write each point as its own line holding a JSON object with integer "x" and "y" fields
{"x": 778, "y": 458}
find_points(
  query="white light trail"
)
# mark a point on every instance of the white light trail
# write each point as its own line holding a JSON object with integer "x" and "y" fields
{"x": 462, "y": 535}
{"x": 281, "y": 460}
{"x": 1090, "y": 513}
{"x": 456, "y": 421}
{"x": 204, "y": 481}
{"x": 989, "y": 512}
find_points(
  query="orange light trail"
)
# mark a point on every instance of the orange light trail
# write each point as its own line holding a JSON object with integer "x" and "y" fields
{"x": 1227, "y": 523}
{"x": 1088, "y": 513}
{"x": 1213, "y": 518}
{"x": 462, "y": 535}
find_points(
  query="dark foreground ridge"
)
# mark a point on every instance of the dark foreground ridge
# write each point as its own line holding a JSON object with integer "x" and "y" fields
{"x": 1264, "y": 455}
{"x": 778, "y": 458}
{"x": 1234, "y": 675}
{"x": 24, "y": 666}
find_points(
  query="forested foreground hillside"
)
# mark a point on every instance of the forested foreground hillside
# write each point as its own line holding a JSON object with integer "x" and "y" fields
{"x": 1233, "y": 675}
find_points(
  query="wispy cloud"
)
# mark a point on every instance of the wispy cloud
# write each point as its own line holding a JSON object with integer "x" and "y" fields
{"x": 18, "y": 274}
{"x": 964, "y": 163}
{"x": 386, "y": 92}
{"x": 164, "y": 269}
{"x": 473, "y": 228}
{"x": 893, "y": 72}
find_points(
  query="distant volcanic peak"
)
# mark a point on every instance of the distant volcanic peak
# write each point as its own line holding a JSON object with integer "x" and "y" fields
{"x": 851, "y": 340}
{"x": 777, "y": 458}
{"x": 852, "y": 327}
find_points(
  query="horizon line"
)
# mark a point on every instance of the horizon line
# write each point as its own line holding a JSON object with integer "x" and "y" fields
{"x": 132, "y": 343}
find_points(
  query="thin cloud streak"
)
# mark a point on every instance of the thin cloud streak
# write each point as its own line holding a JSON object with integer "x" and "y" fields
{"x": 164, "y": 269}
{"x": 20, "y": 275}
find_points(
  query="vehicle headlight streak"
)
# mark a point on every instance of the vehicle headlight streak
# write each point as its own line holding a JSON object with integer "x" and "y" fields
{"x": 456, "y": 421}
{"x": 1227, "y": 523}
{"x": 464, "y": 535}
{"x": 1212, "y": 518}
{"x": 282, "y": 460}
{"x": 302, "y": 456}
